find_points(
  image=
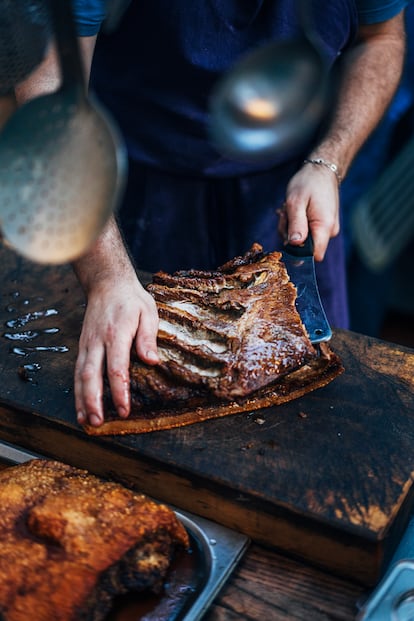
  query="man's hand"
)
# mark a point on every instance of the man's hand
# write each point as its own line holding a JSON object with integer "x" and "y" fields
{"x": 312, "y": 203}
{"x": 119, "y": 313}
{"x": 370, "y": 72}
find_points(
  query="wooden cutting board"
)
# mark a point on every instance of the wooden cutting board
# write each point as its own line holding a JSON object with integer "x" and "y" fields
{"x": 327, "y": 478}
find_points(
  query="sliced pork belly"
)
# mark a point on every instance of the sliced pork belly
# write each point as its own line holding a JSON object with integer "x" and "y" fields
{"x": 226, "y": 333}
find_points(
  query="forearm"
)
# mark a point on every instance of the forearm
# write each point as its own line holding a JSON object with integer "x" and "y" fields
{"x": 370, "y": 75}
{"x": 106, "y": 260}
{"x": 46, "y": 77}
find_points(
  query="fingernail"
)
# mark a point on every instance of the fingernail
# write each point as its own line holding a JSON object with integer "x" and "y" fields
{"x": 152, "y": 356}
{"x": 122, "y": 412}
{"x": 80, "y": 417}
{"x": 295, "y": 237}
{"x": 95, "y": 420}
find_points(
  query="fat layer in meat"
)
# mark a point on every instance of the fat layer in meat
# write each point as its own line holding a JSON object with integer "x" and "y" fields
{"x": 225, "y": 333}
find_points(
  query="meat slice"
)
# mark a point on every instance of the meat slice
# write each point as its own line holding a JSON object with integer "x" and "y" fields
{"x": 227, "y": 332}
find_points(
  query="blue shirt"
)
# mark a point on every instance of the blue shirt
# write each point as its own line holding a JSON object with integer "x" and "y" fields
{"x": 156, "y": 71}
{"x": 372, "y": 11}
{"x": 91, "y": 13}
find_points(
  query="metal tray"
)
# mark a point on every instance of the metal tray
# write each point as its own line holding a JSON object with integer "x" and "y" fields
{"x": 393, "y": 598}
{"x": 191, "y": 586}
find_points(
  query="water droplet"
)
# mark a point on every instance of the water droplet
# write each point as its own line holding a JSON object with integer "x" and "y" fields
{"x": 25, "y": 319}
{"x": 21, "y": 336}
{"x": 25, "y": 351}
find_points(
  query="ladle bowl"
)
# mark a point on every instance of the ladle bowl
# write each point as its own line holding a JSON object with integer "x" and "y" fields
{"x": 62, "y": 168}
{"x": 272, "y": 100}
{"x": 62, "y": 162}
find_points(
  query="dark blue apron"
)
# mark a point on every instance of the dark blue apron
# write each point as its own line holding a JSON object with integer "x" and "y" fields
{"x": 186, "y": 205}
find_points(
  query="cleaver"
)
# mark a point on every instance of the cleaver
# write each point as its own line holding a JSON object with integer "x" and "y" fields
{"x": 300, "y": 266}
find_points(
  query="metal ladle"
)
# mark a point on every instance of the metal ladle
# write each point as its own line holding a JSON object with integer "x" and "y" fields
{"x": 271, "y": 100}
{"x": 62, "y": 163}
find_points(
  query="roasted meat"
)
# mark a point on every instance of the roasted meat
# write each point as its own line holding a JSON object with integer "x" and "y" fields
{"x": 228, "y": 332}
{"x": 228, "y": 340}
{"x": 69, "y": 543}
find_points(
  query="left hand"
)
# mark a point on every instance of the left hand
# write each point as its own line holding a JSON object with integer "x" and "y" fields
{"x": 311, "y": 204}
{"x": 120, "y": 313}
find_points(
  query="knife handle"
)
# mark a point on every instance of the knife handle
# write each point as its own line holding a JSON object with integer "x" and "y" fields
{"x": 304, "y": 250}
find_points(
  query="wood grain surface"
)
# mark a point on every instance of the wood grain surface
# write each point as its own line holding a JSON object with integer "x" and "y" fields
{"x": 327, "y": 477}
{"x": 267, "y": 586}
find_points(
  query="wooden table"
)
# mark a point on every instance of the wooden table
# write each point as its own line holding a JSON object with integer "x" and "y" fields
{"x": 267, "y": 586}
{"x": 336, "y": 504}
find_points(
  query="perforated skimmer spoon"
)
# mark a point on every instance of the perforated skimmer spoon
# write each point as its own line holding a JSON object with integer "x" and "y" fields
{"x": 62, "y": 162}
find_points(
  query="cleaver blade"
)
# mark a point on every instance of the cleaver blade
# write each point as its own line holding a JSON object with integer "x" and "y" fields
{"x": 300, "y": 266}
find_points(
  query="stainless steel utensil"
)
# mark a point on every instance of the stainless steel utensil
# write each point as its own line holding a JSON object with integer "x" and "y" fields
{"x": 62, "y": 162}
{"x": 272, "y": 99}
{"x": 393, "y": 598}
{"x": 300, "y": 265}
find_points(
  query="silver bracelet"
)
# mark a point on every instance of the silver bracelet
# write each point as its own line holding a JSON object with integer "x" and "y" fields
{"x": 321, "y": 162}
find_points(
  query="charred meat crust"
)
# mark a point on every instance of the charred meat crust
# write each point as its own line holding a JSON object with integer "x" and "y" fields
{"x": 70, "y": 543}
{"x": 230, "y": 332}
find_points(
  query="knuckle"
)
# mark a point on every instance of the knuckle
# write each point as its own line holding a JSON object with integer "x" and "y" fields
{"x": 87, "y": 373}
{"x": 91, "y": 406}
{"x": 117, "y": 373}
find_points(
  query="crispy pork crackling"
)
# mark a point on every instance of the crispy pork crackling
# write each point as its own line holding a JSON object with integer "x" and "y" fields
{"x": 70, "y": 542}
{"x": 229, "y": 340}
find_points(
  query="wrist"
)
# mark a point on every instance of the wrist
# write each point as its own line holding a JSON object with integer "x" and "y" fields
{"x": 328, "y": 164}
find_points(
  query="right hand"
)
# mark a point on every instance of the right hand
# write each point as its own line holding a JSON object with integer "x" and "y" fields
{"x": 311, "y": 204}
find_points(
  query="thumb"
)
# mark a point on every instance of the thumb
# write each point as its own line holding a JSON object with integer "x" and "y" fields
{"x": 297, "y": 229}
